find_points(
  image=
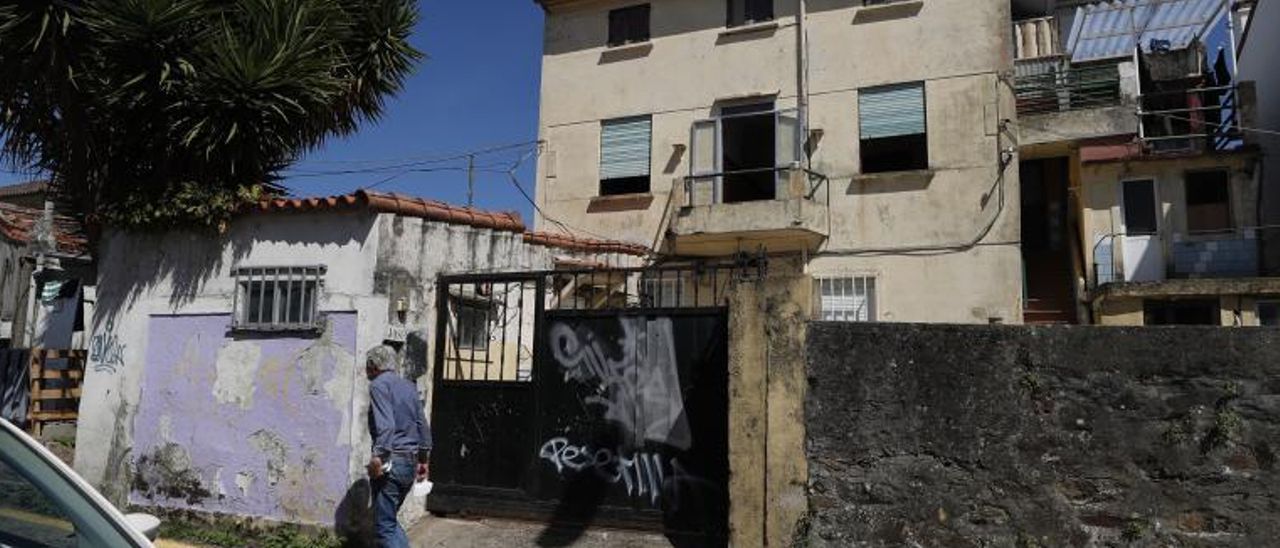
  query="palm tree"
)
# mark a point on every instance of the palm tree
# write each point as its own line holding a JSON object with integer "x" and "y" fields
{"x": 162, "y": 112}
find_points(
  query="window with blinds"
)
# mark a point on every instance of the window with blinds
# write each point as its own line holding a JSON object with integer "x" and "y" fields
{"x": 625, "y": 155}
{"x": 892, "y": 129}
{"x": 845, "y": 299}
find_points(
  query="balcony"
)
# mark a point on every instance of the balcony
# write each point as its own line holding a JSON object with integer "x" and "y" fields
{"x": 1060, "y": 102}
{"x": 1150, "y": 258}
{"x": 715, "y": 221}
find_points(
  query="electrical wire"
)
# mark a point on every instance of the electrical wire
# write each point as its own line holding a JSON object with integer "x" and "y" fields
{"x": 1236, "y": 126}
{"x": 426, "y": 159}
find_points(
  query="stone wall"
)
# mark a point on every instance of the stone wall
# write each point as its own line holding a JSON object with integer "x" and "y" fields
{"x": 1026, "y": 436}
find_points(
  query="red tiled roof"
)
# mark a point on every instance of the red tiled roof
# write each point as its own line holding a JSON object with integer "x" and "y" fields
{"x": 584, "y": 244}
{"x": 408, "y": 206}
{"x": 17, "y": 223}
{"x": 24, "y": 189}
{"x": 433, "y": 210}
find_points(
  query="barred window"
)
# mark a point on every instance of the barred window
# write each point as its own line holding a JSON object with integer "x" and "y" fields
{"x": 277, "y": 298}
{"x": 846, "y": 299}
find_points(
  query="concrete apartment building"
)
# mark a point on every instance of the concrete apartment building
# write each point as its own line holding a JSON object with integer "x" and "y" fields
{"x": 873, "y": 138}
{"x": 1143, "y": 198}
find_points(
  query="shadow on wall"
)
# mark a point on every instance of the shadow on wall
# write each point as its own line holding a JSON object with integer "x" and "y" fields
{"x": 132, "y": 264}
{"x": 353, "y": 518}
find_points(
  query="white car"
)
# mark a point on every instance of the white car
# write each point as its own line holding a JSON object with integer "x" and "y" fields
{"x": 44, "y": 503}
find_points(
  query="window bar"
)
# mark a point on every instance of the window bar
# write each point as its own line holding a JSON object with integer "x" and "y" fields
{"x": 506, "y": 317}
{"x": 471, "y": 342}
{"x": 456, "y": 305}
{"x": 262, "y": 294}
{"x": 661, "y": 278}
{"x": 288, "y": 299}
{"x": 859, "y": 298}
{"x": 488, "y": 336}
{"x": 275, "y": 296}
{"x": 235, "y": 298}
{"x": 520, "y": 326}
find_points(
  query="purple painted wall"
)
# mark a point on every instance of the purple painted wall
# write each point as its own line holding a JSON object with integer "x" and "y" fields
{"x": 248, "y": 425}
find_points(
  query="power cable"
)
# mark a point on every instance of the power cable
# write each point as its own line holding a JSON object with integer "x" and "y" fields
{"x": 406, "y": 165}
{"x": 1236, "y": 126}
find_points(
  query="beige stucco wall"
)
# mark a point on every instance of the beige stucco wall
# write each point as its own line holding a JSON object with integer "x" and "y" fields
{"x": 1234, "y": 311}
{"x": 957, "y": 47}
{"x": 768, "y": 468}
{"x": 1100, "y": 194}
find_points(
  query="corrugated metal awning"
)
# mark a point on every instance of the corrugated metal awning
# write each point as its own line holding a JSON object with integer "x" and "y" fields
{"x": 1108, "y": 30}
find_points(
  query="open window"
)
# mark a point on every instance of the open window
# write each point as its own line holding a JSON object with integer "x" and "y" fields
{"x": 745, "y": 151}
{"x": 625, "y": 149}
{"x": 629, "y": 25}
{"x": 747, "y": 12}
{"x": 891, "y": 123}
{"x": 1208, "y": 201}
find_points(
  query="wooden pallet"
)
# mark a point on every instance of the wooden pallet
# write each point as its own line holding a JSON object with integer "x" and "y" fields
{"x": 50, "y": 385}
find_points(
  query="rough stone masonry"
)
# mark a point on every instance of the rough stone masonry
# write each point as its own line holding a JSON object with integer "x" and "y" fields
{"x": 1042, "y": 436}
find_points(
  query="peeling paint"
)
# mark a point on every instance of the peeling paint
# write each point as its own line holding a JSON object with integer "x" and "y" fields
{"x": 236, "y": 367}
{"x": 273, "y": 448}
{"x": 243, "y": 482}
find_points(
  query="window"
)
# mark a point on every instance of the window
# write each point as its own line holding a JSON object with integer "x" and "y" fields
{"x": 624, "y": 155}
{"x": 846, "y": 299}
{"x": 1181, "y": 312}
{"x": 891, "y": 122}
{"x": 278, "y": 298}
{"x": 1269, "y": 313}
{"x": 1208, "y": 205}
{"x": 663, "y": 291}
{"x": 746, "y": 12}
{"x": 1139, "y": 207}
{"x": 747, "y": 136}
{"x": 473, "y": 326}
{"x": 629, "y": 25}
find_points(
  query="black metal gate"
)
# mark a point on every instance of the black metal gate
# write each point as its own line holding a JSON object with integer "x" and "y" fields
{"x": 584, "y": 402}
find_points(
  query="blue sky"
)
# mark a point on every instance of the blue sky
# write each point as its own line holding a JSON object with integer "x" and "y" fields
{"x": 477, "y": 88}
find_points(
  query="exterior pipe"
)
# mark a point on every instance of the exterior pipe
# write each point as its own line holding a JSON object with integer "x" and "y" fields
{"x": 802, "y": 79}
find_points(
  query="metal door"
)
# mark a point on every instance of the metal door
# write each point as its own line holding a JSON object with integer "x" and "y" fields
{"x": 1142, "y": 246}
{"x": 612, "y": 416}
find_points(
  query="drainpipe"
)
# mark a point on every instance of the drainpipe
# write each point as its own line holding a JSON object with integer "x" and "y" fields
{"x": 802, "y": 79}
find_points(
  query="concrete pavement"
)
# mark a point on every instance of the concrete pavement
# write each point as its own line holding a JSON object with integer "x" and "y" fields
{"x": 491, "y": 533}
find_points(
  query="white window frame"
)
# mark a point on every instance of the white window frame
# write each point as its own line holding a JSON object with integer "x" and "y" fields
{"x": 852, "y": 286}
{"x": 287, "y": 283}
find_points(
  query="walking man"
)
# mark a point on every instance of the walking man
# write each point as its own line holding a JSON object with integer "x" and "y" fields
{"x": 401, "y": 443}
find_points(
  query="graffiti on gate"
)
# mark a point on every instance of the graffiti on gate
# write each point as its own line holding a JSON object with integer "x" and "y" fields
{"x": 645, "y": 474}
{"x": 106, "y": 352}
{"x": 634, "y": 378}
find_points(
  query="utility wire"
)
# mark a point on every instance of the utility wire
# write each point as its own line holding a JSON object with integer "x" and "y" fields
{"x": 417, "y": 163}
{"x": 1236, "y": 126}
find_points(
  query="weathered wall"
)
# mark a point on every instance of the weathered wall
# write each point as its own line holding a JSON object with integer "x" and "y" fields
{"x": 1021, "y": 436}
{"x": 693, "y": 65}
{"x": 766, "y": 405}
{"x": 247, "y": 425}
{"x": 150, "y": 283}
{"x": 1101, "y": 204}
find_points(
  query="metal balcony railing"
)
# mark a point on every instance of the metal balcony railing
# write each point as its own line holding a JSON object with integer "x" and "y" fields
{"x": 1058, "y": 88}
{"x": 708, "y": 189}
{"x": 1228, "y": 253}
{"x": 1201, "y": 118}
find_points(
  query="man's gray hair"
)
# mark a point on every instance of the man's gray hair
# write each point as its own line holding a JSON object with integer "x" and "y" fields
{"x": 382, "y": 358}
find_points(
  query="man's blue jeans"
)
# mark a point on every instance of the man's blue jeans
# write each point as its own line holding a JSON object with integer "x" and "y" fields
{"x": 389, "y": 492}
